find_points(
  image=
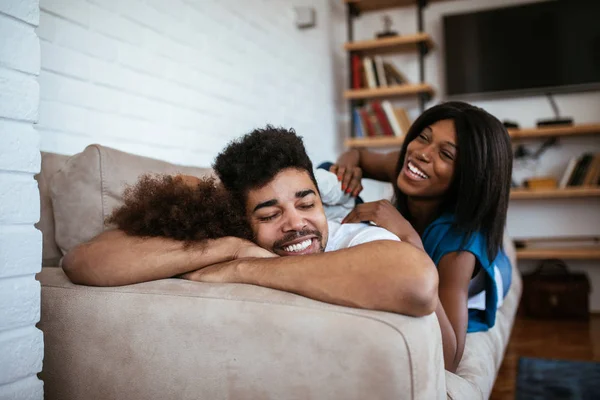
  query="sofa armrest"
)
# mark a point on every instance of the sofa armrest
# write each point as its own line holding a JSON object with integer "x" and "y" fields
{"x": 189, "y": 340}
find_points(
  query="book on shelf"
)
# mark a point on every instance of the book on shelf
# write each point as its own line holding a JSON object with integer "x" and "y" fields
{"x": 578, "y": 174}
{"x": 373, "y": 72}
{"x": 557, "y": 242}
{"x": 567, "y": 174}
{"x": 592, "y": 177}
{"x": 369, "y": 73}
{"x": 357, "y": 74}
{"x": 380, "y": 119}
{"x": 380, "y": 71}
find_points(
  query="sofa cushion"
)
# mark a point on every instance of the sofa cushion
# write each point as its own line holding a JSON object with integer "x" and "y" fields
{"x": 90, "y": 185}
{"x": 51, "y": 163}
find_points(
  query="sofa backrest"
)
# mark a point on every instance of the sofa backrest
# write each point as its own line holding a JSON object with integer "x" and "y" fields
{"x": 78, "y": 193}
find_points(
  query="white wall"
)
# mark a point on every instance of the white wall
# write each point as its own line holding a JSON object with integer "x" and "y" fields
{"x": 526, "y": 218}
{"x": 21, "y": 343}
{"x": 176, "y": 80}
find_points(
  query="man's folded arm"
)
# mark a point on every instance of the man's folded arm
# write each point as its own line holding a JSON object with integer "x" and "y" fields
{"x": 381, "y": 275}
{"x": 114, "y": 258}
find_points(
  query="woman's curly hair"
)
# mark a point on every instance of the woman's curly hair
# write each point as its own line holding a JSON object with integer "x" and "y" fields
{"x": 180, "y": 207}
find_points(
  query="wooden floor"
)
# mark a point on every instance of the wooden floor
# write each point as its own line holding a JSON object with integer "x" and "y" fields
{"x": 565, "y": 340}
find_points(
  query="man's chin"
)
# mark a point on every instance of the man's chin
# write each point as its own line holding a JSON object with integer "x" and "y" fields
{"x": 314, "y": 248}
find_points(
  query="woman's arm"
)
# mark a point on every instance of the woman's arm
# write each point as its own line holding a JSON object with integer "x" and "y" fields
{"x": 455, "y": 271}
{"x": 355, "y": 164}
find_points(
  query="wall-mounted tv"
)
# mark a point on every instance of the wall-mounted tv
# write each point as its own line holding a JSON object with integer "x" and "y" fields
{"x": 543, "y": 47}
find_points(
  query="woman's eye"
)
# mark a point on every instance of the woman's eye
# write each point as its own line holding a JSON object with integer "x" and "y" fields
{"x": 307, "y": 206}
{"x": 447, "y": 155}
{"x": 424, "y": 137}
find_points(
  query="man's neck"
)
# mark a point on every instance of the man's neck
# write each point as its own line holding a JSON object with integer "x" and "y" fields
{"x": 423, "y": 211}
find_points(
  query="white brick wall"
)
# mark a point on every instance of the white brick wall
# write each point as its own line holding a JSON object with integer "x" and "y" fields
{"x": 21, "y": 343}
{"x": 178, "y": 79}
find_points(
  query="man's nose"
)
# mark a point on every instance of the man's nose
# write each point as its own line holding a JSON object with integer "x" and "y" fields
{"x": 294, "y": 221}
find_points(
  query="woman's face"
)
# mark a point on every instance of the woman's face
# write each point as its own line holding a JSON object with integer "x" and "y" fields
{"x": 430, "y": 161}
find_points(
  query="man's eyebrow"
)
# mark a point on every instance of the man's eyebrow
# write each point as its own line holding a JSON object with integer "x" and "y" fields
{"x": 304, "y": 193}
{"x": 268, "y": 203}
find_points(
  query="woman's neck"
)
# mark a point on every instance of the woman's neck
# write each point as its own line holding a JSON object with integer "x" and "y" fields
{"x": 423, "y": 212}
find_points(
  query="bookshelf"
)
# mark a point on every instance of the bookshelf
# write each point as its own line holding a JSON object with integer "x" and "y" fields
{"x": 555, "y": 131}
{"x": 393, "y": 44}
{"x": 570, "y": 192}
{"x": 566, "y": 193}
{"x": 388, "y": 92}
{"x": 419, "y": 43}
{"x": 576, "y": 253}
{"x": 378, "y": 5}
{"x": 374, "y": 142}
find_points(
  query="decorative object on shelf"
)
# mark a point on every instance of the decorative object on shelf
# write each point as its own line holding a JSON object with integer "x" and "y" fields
{"x": 306, "y": 17}
{"x": 540, "y": 183}
{"x": 387, "y": 25}
{"x": 508, "y": 124}
{"x": 557, "y": 120}
{"x": 552, "y": 291}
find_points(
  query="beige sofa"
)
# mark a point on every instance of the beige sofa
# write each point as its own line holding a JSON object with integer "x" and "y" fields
{"x": 175, "y": 339}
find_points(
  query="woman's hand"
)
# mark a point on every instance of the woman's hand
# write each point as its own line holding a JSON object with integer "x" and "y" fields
{"x": 348, "y": 172}
{"x": 386, "y": 216}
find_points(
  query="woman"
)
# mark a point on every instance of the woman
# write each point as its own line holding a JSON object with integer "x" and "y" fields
{"x": 451, "y": 182}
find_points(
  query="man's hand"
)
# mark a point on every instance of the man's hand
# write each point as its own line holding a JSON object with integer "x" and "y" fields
{"x": 226, "y": 272}
{"x": 249, "y": 249}
{"x": 386, "y": 216}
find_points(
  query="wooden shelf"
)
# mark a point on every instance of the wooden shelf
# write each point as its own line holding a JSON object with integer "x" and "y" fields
{"x": 566, "y": 193}
{"x": 389, "y": 91}
{"x": 573, "y": 130}
{"x": 581, "y": 253}
{"x": 375, "y": 5}
{"x": 388, "y": 141}
{"x": 394, "y": 44}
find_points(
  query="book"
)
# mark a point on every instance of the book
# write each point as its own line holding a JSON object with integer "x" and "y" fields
{"x": 366, "y": 120}
{"x": 380, "y": 71}
{"x": 391, "y": 116}
{"x": 564, "y": 181}
{"x": 375, "y": 73}
{"x": 368, "y": 66}
{"x": 580, "y": 170}
{"x": 403, "y": 119}
{"x": 378, "y": 130}
{"x": 386, "y": 128}
{"x": 593, "y": 172}
{"x": 358, "y": 125}
{"x": 395, "y": 74}
{"x": 356, "y": 75}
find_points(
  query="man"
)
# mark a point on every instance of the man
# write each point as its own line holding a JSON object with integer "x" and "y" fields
{"x": 270, "y": 174}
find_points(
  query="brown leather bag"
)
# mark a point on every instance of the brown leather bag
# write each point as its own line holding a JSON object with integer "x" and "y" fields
{"x": 552, "y": 291}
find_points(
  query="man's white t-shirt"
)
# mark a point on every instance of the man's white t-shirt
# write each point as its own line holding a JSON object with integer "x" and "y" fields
{"x": 342, "y": 236}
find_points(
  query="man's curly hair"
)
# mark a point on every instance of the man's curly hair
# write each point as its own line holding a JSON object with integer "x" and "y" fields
{"x": 183, "y": 209}
{"x": 253, "y": 160}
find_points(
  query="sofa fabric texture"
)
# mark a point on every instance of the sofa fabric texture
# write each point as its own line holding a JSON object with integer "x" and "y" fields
{"x": 188, "y": 340}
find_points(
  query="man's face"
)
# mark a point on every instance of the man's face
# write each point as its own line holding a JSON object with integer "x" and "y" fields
{"x": 287, "y": 216}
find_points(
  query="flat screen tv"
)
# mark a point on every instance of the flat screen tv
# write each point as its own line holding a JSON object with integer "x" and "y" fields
{"x": 543, "y": 47}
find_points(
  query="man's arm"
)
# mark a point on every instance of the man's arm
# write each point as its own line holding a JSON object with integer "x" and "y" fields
{"x": 114, "y": 258}
{"x": 381, "y": 275}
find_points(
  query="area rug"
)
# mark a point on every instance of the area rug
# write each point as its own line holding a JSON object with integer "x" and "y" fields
{"x": 542, "y": 379}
